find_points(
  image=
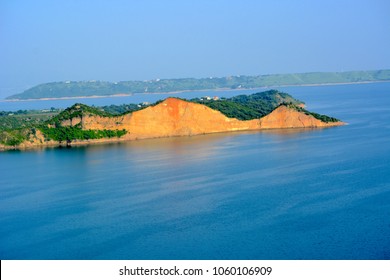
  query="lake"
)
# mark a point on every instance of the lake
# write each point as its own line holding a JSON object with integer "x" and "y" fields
{"x": 276, "y": 194}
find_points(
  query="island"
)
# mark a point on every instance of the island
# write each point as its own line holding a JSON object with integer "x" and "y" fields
{"x": 93, "y": 88}
{"x": 81, "y": 124}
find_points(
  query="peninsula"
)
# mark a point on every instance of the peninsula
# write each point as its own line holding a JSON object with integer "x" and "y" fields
{"x": 82, "y": 124}
{"x": 74, "y": 89}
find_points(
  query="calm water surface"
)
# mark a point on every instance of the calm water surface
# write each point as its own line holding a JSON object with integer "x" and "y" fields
{"x": 278, "y": 194}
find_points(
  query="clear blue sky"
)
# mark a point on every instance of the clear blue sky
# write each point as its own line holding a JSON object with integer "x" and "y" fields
{"x": 45, "y": 41}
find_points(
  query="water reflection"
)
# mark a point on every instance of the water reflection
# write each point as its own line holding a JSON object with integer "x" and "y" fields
{"x": 274, "y": 194}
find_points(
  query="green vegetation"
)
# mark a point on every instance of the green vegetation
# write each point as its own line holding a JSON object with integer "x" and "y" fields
{"x": 101, "y": 88}
{"x": 25, "y": 118}
{"x": 320, "y": 117}
{"x": 232, "y": 109}
{"x": 33, "y": 118}
{"x": 16, "y": 127}
{"x": 54, "y": 130}
{"x": 122, "y": 109}
{"x": 249, "y": 107}
{"x": 14, "y": 137}
{"x": 10, "y": 120}
{"x": 16, "y": 122}
{"x": 70, "y": 89}
{"x": 78, "y": 110}
{"x": 70, "y": 133}
{"x": 257, "y": 105}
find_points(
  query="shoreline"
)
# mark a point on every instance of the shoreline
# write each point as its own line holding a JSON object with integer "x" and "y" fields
{"x": 184, "y": 91}
{"x": 104, "y": 141}
{"x": 67, "y": 97}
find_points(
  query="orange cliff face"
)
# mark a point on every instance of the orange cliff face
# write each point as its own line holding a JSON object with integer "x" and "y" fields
{"x": 284, "y": 117}
{"x": 175, "y": 117}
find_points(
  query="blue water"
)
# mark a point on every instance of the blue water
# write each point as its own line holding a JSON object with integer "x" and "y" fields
{"x": 117, "y": 100}
{"x": 277, "y": 194}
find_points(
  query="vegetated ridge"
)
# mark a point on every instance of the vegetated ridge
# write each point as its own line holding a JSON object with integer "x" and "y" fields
{"x": 81, "y": 124}
{"x": 69, "y": 89}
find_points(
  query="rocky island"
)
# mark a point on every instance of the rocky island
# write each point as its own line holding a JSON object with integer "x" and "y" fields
{"x": 82, "y": 124}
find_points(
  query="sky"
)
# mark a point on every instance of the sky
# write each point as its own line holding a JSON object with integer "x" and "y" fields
{"x": 46, "y": 41}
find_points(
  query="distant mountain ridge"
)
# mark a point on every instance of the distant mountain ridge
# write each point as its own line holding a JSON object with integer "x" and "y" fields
{"x": 69, "y": 89}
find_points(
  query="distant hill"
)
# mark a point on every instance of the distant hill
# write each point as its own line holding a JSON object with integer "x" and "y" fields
{"x": 101, "y": 88}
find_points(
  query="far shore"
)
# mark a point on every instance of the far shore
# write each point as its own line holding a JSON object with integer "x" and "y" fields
{"x": 68, "y": 97}
{"x": 183, "y": 91}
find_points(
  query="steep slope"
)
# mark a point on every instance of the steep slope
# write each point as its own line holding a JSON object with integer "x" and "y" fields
{"x": 175, "y": 117}
{"x": 289, "y": 117}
